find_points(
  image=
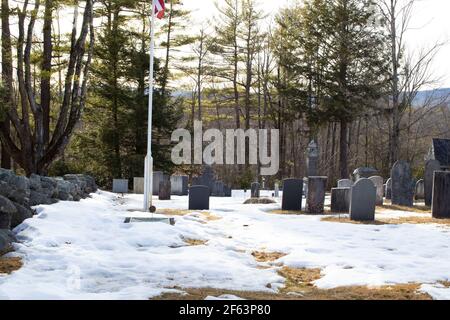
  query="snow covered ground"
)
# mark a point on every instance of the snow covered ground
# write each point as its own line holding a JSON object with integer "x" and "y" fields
{"x": 84, "y": 250}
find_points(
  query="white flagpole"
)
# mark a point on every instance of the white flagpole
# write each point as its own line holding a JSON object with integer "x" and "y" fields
{"x": 148, "y": 177}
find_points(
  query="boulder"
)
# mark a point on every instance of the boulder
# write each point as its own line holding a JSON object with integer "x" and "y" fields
{"x": 7, "y": 209}
{"x": 22, "y": 213}
{"x": 6, "y": 239}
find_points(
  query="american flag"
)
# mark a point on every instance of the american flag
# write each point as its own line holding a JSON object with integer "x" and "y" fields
{"x": 159, "y": 8}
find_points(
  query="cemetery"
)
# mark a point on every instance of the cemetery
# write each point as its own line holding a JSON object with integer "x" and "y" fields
{"x": 343, "y": 237}
{"x": 223, "y": 150}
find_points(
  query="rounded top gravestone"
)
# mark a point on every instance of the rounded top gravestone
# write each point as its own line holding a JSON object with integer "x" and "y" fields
{"x": 363, "y": 200}
{"x": 403, "y": 184}
{"x": 378, "y": 182}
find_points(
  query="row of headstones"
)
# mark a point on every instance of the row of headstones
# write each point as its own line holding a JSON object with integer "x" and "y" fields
{"x": 163, "y": 185}
{"x": 361, "y": 199}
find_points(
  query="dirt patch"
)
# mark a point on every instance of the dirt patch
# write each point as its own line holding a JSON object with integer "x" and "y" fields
{"x": 260, "y": 201}
{"x": 261, "y": 256}
{"x": 210, "y": 217}
{"x": 384, "y": 221}
{"x": 9, "y": 265}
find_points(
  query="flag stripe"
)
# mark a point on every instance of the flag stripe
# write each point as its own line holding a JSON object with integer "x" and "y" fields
{"x": 159, "y": 8}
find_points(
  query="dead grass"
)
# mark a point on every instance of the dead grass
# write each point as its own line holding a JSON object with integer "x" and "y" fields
{"x": 299, "y": 286}
{"x": 9, "y": 265}
{"x": 195, "y": 242}
{"x": 262, "y": 256}
{"x": 178, "y": 212}
{"x": 391, "y": 221}
{"x": 416, "y": 208}
{"x": 260, "y": 201}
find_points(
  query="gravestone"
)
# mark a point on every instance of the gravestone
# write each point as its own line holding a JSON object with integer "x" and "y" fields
{"x": 312, "y": 159}
{"x": 305, "y": 186}
{"x": 179, "y": 185}
{"x": 388, "y": 191}
{"x": 345, "y": 183}
{"x": 227, "y": 191}
{"x": 138, "y": 185}
{"x": 340, "y": 200}
{"x": 364, "y": 172}
{"x": 120, "y": 186}
{"x": 277, "y": 190}
{"x": 440, "y": 151}
{"x": 199, "y": 198}
{"x": 430, "y": 167}
{"x": 402, "y": 184}
{"x": 441, "y": 195}
{"x": 217, "y": 188}
{"x": 363, "y": 200}
{"x": 315, "y": 199}
{"x": 420, "y": 190}
{"x": 255, "y": 190}
{"x": 378, "y": 182}
{"x": 292, "y": 195}
{"x": 165, "y": 189}
{"x": 158, "y": 176}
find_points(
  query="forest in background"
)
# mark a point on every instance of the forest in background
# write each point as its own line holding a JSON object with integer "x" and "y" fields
{"x": 334, "y": 71}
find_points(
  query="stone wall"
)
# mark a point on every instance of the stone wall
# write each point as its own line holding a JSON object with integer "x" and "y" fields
{"x": 19, "y": 194}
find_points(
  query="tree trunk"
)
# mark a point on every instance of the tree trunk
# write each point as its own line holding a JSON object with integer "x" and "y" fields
{"x": 343, "y": 150}
{"x": 7, "y": 79}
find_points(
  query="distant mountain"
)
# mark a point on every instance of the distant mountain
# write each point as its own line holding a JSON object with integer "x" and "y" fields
{"x": 438, "y": 95}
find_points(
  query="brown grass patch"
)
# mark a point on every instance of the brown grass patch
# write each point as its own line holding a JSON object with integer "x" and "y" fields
{"x": 195, "y": 242}
{"x": 347, "y": 220}
{"x": 9, "y": 265}
{"x": 179, "y": 212}
{"x": 174, "y": 212}
{"x": 416, "y": 208}
{"x": 384, "y": 221}
{"x": 261, "y": 256}
{"x": 299, "y": 286}
{"x": 260, "y": 201}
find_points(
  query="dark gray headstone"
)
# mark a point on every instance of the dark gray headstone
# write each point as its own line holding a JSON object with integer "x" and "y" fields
{"x": 345, "y": 183}
{"x": 315, "y": 199}
{"x": 363, "y": 200}
{"x": 430, "y": 167}
{"x": 420, "y": 190}
{"x": 440, "y": 151}
{"x": 255, "y": 190}
{"x": 120, "y": 186}
{"x": 165, "y": 189}
{"x": 158, "y": 176}
{"x": 403, "y": 184}
{"x": 388, "y": 189}
{"x": 340, "y": 200}
{"x": 364, "y": 172}
{"x": 208, "y": 178}
{"x": 441, "y": 195}
{"x": 378, "y": 182}
{"x": 292, "y": 194}
{"x": 199, "y": 198}
{"x": 312, "y": 159}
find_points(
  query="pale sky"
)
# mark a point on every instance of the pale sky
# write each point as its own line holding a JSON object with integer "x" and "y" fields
{"x": 430, "y": 24}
